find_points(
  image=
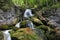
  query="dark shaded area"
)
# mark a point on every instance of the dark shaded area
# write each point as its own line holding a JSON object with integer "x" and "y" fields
{"x": 14, "y": 38}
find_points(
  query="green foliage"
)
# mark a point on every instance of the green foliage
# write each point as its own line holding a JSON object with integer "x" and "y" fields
{"x": 28, "y": 3}
{"x": 5, "y": 4}
{"x": 34, "y": 3}
{"x": 56, "y": 5}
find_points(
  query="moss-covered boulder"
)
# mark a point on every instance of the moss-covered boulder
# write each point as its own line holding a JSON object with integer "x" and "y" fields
{"x": 25, "y": 34}
{"x": 36, "y": 21}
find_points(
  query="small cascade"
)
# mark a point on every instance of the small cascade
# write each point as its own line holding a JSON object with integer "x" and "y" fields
{"x": 39, "y": 32}
{"x": 30, "y": 24}
{"x": 28, "y": 13}
{"x": 17, "y": 25}
{"x": 6, "y": 35}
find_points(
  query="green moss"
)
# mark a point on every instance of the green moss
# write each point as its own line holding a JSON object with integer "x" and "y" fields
{"x": 4, "y": 27}
{"x": 23, "y": 24}
{"x": 22, "y": 35}
{"x": 1, "y": 36}
{"x": 42, "y": 27}
{"x": 49, "y": 32}
{"x": 36, "y": 21}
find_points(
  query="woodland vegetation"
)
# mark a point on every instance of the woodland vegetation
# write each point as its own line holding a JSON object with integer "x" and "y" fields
{"x": 44, "y": 12}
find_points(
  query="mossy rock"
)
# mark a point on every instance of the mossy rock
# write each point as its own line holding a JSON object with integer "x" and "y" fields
{"x": 4, "y": 27}
{"x": 48, "y": 32}
{"x": 36, "y": 21}
{"x": 42, "y": 27}
{"x": 1, "y": 36}
{"x": 23, "y": 24}
{"x": 25, "y": 34}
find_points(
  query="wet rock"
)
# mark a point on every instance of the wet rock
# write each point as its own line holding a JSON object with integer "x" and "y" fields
{"x": 8, "y": 17}
{"x": 53, "y": 23}
{"x": 36, "y": 21}
{"x": 57, "y": 29}
{"x": 54, "y": 34}
{"x": 53, "y": 17}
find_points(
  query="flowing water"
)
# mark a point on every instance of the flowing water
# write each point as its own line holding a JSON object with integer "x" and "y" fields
{"x": 17, "y": 25}
{"x": 30, "y": 24}
{"x": 39, "y": 32}
{"x": 28, "y": 13}
{"x": 6, "y": 35}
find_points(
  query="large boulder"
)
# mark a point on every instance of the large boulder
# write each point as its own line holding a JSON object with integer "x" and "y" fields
{"x": 26, "y": 34}
{"x": 8, "y": 13}
{"x": 8, "y": 17}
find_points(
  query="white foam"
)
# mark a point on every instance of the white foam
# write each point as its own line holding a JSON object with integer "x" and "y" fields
{"x": 28, "y": 13}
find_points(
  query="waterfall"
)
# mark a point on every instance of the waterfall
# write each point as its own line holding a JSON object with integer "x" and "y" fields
{"x": 6, "y": 35}
{"x": 28, "y": 13}
{"x": 17, "y": 25}
{"x": 30, "y": 24}
{"x": 39, "y": 32}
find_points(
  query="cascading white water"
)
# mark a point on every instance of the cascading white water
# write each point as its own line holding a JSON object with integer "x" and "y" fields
{"x": 28, "y": 13}
{"x": 30, "y": 24}
{"x": 17, "y": 25}
{"x": 6, "y": 35}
